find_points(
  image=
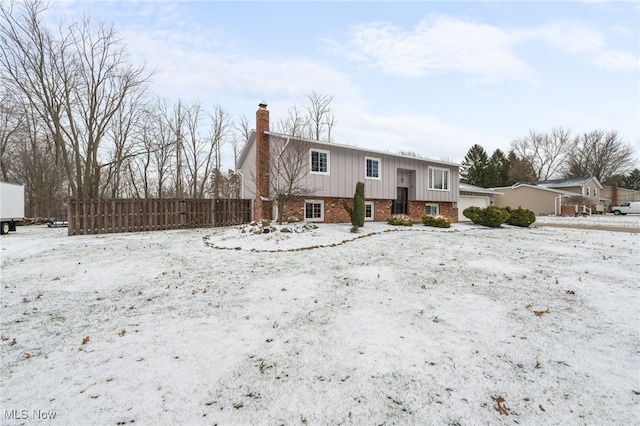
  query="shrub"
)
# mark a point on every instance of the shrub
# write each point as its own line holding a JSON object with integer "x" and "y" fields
{"x": 472, "y": 213}
{"x": 400, "y": 219}
{"x": 491, "y": 216}
{"x": 356, "y": 213}
{"x": 436, "y": 220}
{"x": 520, "y": 217}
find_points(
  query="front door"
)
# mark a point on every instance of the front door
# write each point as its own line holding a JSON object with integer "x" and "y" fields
{"x": 400, "y": 205}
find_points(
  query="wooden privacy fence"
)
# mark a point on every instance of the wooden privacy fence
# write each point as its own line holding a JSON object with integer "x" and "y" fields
{"x": 153, "y": 214}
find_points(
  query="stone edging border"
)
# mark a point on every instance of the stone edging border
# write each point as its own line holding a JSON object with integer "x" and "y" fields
{"x": 206, "y": 241}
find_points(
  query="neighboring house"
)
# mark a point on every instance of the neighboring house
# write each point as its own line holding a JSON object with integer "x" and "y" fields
{"x": 538, "y": 199}
{"x": 623, "y": 195}
{"x": 476, "y": 196}
{"x": 393, "y": 183}
{"x": 588, "y": 187}
{"x": 554, "y": 197}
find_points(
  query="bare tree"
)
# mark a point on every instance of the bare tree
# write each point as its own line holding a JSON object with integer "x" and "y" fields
{"x": 76, "y": 81}
{"x": 546, "y": 153}
{"x": 288, "y": 169}
{"x": 221, "y": 126}
{"x": 11, "y": 121}
{"x": 320, "y": 117}
{"x": 315, "y": 122}
{"x": 125, "y": 131}
{"x": 240, "y": 138}
{"x": 600, "y": 154}
{"x": 31, "y": 65}
{"x": 296, "y": 124}
{"x": 195, "y": 147}
{"x": 33, "y": 167}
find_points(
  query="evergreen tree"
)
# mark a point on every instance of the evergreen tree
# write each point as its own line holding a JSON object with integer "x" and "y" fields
{"x": 356, "y": 213}
{"x": 520, "y": 170}
{"x": 632, "y": 180}
{"x": 498, "y": 170}
{"x": 474, "y": 166}
{"x": 358, "y": 206}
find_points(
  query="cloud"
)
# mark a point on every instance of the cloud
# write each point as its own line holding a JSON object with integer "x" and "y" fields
{"x": 585, "y": 42}
{"x": 188, "y": 68}
{"x": 486, "y": 53}
{"x": 421, "y": 133}
{"x": 443, "y": 45}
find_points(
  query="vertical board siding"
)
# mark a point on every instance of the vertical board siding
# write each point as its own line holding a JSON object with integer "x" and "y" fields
{"x": 347, "y": 167}
{"x": 136, "y": 215}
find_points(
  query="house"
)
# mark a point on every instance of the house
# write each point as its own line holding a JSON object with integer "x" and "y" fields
{"x": 471, "y": 195}
{"x": 621, "y": 195}
{"x": 554, "y": 197}
{"x": 589, "y": 188}
{"x": 329, "y": 172}
{"x": 540, "y": 200}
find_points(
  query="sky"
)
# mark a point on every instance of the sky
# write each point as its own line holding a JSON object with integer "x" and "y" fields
{"x": 429, "y": 77}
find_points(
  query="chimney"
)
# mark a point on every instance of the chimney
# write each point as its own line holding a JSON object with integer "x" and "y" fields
{"x": 614, "y": 193}
{"x": 262, "y": 208}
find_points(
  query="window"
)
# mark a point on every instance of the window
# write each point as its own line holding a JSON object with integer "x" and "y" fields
{"x": 595, "y": 192}
{"x": 431, "y": 209}
{"x": 438, "y": 179}
{"x": 368, "y": 210}
{"x": 372, "y": 167}
{"x": 587, "y": 189}
{"x": 319, "y": 161}
{"x": 314, "y": 210}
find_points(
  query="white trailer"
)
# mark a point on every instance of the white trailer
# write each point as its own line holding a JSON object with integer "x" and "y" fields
{"x": 11, "y": 206}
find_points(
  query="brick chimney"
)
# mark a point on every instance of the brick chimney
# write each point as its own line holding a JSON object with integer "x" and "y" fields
{"x": 614, "y": 193}
{"x": 262, "y": 208}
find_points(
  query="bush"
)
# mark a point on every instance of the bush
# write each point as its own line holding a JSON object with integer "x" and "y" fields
{"x": 400, "y": 219}
{"x": 356, "y": 213}
{"x": 520, "y": 217}
{"x": 436, "y": 220}
{"x": 492, "y": 216}
{"x": 472, "y": 213}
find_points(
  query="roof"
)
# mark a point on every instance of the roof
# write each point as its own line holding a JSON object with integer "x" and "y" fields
{"x": 352, "y": 147}
{"x": 570, "y": 182}
{"x": 465, "y": 187}
{"x": 539, "y": 188}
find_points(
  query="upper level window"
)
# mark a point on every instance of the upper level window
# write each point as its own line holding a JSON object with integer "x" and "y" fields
{"x": 372, "y": 167}
{"x": 587, "y": 189}
{"x": 319, "y": 161}
{"x": 438, "y": 178}
{"x": 595, "y": 192}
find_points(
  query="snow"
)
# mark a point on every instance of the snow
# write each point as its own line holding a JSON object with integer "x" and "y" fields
{"x": 466, "y": 325}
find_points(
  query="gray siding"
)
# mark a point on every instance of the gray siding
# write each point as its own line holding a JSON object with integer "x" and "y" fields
{"x": 347, "y": 167}
{"x": 247, "y": 167}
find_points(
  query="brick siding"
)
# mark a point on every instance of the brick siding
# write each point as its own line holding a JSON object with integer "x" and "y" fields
{"x": 335, "y": 213}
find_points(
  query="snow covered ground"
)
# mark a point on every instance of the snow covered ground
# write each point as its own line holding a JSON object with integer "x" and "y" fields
{"x": 606, "y": 220}
{"x": 467, "y": 326}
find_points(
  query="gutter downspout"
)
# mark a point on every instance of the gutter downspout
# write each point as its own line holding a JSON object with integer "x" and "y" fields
{"x": 558, "y": 205}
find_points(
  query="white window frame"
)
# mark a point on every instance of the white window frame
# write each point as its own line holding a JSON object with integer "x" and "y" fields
{"x": 595, "y": 192}
{"x": 587, "y": 189}
{"x": 366, "y": 159}
{"x": 373, "y": 206}
{"x": 320, "y": 151}
{"x": 428, "y": 205}
{"x": 446, "y": 183}
{"x": 314, "y": 219}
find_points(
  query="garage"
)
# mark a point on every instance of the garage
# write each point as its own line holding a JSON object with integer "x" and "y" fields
{"x": 474, "y": 196}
